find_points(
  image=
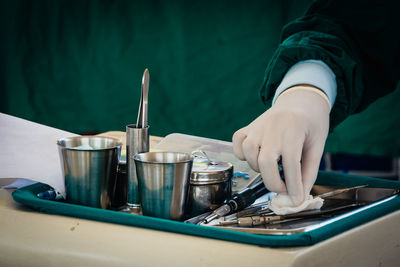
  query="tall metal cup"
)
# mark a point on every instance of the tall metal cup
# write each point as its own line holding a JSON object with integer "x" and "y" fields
{"x": 163, "y": 183}
{"x": 137, "y": 141}
{"x": 89, "y": 165}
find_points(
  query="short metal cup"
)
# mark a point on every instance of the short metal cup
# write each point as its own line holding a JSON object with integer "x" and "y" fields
{"x": 89, "y": 165}
{"x": 163, "y": 183}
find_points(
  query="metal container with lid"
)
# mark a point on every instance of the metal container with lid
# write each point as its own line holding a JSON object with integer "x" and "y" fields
{"x": 210, "y": 184}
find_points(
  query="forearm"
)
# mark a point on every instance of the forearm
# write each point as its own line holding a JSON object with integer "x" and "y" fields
{"x": 360, "y": 53}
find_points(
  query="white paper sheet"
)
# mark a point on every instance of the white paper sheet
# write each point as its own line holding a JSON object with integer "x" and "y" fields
{"x": 29, "y": 150}
{"x": 19, "y": 183}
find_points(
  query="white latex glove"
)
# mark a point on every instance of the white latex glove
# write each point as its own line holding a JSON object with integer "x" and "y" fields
{"x": 296, "y": 128}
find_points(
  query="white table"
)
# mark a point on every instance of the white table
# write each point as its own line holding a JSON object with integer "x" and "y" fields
{"x": 29, "y": 238}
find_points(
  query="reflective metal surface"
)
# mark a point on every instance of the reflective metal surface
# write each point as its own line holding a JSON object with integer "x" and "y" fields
{"x": 356, "y": 199}
{"x": 137, "y": 141}
{"x": 89, "y": 166}
{"x": 203, "y": 198}
{"x": 142, "y": 113}
{"x": 210, "y": 173}
{"x": 210, "y": 184}
{"x": 163, "y": 183}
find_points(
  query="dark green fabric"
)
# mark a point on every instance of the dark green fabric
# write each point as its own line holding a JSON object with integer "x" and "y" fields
{"x": 77, "y": 66}
{"x": 27, "y": 196}
{"x": 360, "y": 42}
{"x": 375, "y": 131}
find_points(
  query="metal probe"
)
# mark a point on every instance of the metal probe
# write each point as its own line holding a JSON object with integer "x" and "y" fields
{"x": 142, "y": 113}
{"x": 340, "y": 191}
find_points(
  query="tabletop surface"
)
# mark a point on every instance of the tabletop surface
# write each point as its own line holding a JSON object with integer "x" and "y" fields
{"x": 30, "y": 238}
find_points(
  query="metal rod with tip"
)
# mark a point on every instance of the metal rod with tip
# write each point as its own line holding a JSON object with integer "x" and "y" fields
{"x": 340, "y": 191}
{"x": 142, "y": 113}
{"x": 261, "y": 220}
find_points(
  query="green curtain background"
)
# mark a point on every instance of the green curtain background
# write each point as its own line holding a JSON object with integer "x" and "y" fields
{"x": 77, "y": 66}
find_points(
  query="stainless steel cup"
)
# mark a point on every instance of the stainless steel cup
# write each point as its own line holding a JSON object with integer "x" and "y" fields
{"x": 89, "y": 165}
{"x": 163, "y": 183}
{"x": 137, "y": 141}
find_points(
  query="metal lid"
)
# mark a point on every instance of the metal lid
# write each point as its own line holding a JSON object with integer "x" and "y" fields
{"x": 205, "y": 171}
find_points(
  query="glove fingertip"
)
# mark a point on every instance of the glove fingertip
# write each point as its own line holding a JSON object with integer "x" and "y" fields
{"x": 297, "y": 199}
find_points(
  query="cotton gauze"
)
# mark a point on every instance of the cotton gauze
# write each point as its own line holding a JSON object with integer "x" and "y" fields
{"x": 282, "y": 204}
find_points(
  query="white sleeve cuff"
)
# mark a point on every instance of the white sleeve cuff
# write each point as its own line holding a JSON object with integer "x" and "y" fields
{"x": 311, "y": 72}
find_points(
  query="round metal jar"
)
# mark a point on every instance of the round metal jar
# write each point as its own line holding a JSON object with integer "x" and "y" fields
{"x": 210, "y": 185}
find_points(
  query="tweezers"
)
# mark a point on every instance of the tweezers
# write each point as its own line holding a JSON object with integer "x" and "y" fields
{"x": 142, "y": 113}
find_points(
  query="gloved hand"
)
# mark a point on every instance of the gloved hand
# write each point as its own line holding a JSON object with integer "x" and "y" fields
{"x": 294, "y": 128}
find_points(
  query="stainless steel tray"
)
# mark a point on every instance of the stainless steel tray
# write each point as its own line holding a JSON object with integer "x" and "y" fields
{"x": 362, "y": 199}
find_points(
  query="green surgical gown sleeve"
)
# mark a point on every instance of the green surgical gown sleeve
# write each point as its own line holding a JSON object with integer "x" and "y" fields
{"x": 359, "y": 40}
